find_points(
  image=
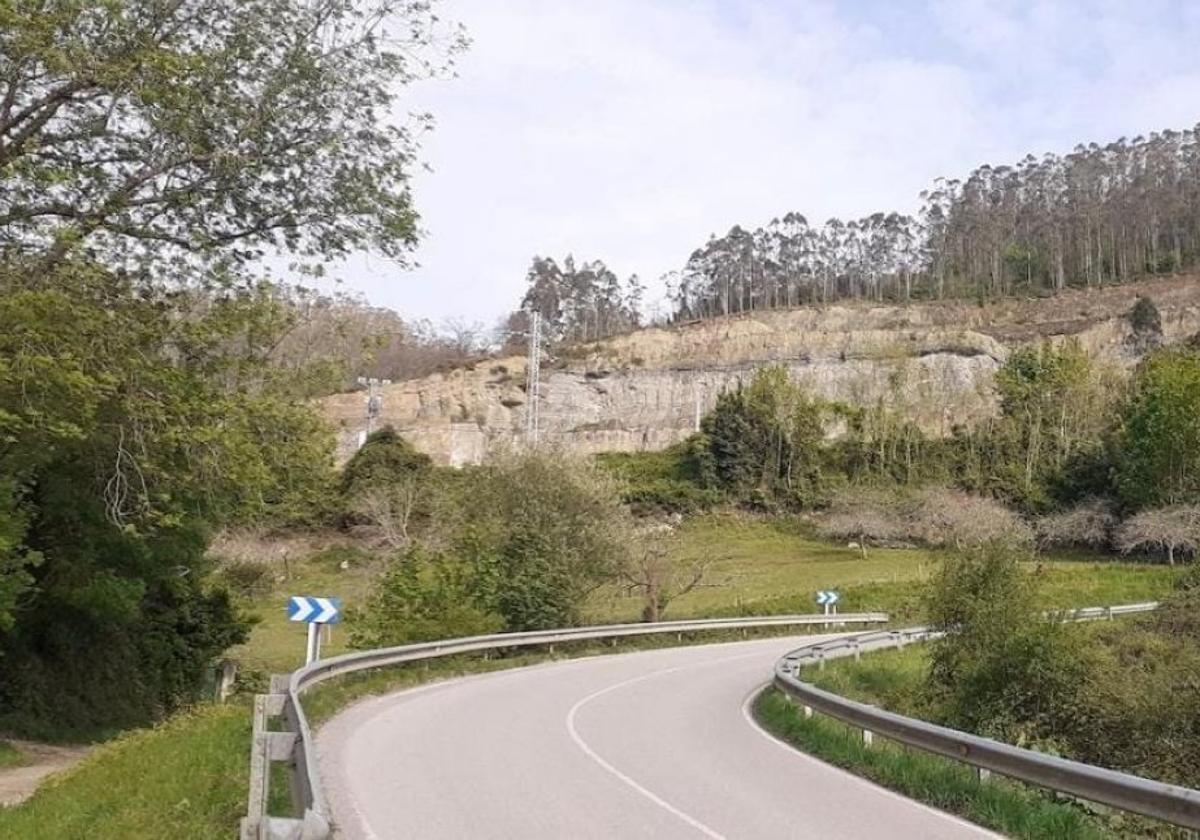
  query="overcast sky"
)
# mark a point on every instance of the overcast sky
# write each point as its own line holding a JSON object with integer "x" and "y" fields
{"x": 630, "y": 130}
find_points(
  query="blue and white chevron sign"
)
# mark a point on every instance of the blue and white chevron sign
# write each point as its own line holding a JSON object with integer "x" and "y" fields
{"x": 827, "y": 596}
{"x": 314, "y": 610}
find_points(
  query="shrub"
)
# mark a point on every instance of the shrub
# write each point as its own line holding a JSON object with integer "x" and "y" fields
{"x": 999, "y": 665}
{"x": 384, "y": 459}
{"x": 247, "y": 578}
{"x": 1179, "y": 614}
{"x": 946, "y": 517}
{"x": 1171, "y": 529}
{"x": 1145, "y": 318}
{"x": 538, "y": 532}
{"x": 1089, "y": 523}
{"x": 422, "y": 597}
{"x": 767, "y": 437}
{"x": 655, "y": 483}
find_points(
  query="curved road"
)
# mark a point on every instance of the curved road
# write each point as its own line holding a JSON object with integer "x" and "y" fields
{"x": 655, "y": 744}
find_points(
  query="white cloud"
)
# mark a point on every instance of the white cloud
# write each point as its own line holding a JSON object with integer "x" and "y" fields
{"x": 629, "y": 130}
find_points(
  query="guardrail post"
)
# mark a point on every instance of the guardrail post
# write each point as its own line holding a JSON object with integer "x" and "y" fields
{"x": 857, "y": 652}
{"x": 808, "y": 711}
{"x": 868, "y": 737}
{"x": 259, "y": 772}
{"x": 982, "y": 774}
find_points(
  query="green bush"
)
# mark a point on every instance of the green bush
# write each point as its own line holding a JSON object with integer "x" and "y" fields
{"x": 422, "y": 597}
{"x": 384, "y": 459}
{"x": 1145, "y": 318}
{"x": 1000, "y": 666}
{"x": 247, "y": 578}
{"x": 763, "y": 442}
{"x": 539, "y": 531}
{"x": 662, "y": 482}
{"x": 1159, "y": 461}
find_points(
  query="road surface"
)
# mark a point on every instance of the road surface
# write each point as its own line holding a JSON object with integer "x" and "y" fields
{"x": 656, "y": 744}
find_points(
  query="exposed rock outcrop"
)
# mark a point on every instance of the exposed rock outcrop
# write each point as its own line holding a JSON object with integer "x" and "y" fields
{"x": 935, "y": 362}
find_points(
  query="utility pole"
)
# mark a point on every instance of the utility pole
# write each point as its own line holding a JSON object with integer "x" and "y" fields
{"x": 533, "y": 371}
{"x": 374, "y": 402}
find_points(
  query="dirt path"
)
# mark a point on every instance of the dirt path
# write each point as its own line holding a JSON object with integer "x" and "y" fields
{"x": 18, "y": 783}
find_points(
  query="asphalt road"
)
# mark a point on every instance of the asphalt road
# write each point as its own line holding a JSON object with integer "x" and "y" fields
{"x": 656, "y": 744}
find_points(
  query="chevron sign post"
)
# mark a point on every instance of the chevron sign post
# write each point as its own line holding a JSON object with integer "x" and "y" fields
{"x": 314, "y": 612}
{"x": 828, "y": 599}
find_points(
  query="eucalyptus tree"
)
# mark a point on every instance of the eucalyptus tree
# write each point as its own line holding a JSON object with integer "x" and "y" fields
{"x": 1099, "y": 214}
{"x": 579, "y": 302}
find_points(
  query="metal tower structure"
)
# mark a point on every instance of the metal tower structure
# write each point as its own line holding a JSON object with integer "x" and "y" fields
{"x": 374, "y": 403}
{"x": 533, "y": 378}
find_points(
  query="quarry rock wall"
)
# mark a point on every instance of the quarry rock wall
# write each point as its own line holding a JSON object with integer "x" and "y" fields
{"x": 935, "y": 362}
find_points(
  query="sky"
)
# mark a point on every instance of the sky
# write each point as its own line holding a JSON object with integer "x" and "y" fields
{"x": 631, "y": 130}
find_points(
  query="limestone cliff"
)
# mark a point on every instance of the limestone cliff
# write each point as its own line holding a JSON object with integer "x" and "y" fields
{"x": 934, "y": 361}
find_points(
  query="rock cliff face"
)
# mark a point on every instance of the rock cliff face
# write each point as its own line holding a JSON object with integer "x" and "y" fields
{"x": 935, "y": 362}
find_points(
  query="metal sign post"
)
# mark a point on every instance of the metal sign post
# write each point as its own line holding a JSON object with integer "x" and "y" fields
{"x": 828, "y": 599}
{"x": 314, "y": 611}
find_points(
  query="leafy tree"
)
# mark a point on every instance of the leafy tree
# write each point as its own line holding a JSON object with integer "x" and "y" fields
{"x": 384, "y": 459}
{"x": 161, "y": 134}
{"x": 385, "y": 485}
{"x": 999, "y": 666}
{"x": 578, "y": 302}
{"x": 126, "y": 431}
{"x": 1100, "y": 214}
{"x": 766, "y": 438}
{"x": 149, "y": 153}
{"x": 1159, "y": 447}
{"x": 1056, "y": 409}
{"x": 1145, "y": 319}
{"x": 538, "y": 531}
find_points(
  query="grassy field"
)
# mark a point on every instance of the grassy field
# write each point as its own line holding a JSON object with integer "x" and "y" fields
{"x": 186, "y": 778}
{"x": 9, "y": 756}
{"x": 276, "y": 645}
{"x": 774, "y": 566}
{"x": 762, "y": 566}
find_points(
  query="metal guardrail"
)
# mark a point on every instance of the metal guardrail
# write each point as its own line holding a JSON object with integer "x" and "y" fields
{"x": 1171, "y": 803}
{"x": 294, "y": 745}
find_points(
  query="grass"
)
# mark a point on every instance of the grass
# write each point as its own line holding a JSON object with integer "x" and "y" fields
{"x": 774, "y": 566}
{"x": 765, "y": 566}
{"x": 185, "y": 778}
{"x": 1013, "y": 809}
{"x": 10, "y": 756}
{"x": 276, "y": 645}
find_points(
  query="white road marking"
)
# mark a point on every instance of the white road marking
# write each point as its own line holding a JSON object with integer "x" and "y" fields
{"x": 707, "y": 831}
{"x": 798, "y": 753}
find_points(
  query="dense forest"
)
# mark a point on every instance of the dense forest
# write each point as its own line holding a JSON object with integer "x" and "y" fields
{"x": 1100, "y": 214}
